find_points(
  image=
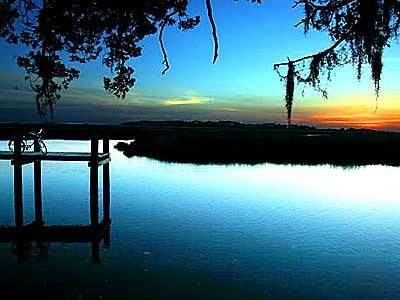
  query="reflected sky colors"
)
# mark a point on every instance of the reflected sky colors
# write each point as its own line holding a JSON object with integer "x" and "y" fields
{"x": 251, "y": 232}
{"x": 241, "y": 86}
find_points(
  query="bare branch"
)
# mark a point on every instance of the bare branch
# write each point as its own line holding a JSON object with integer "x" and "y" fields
{"x": 164, "y": 23}
{"x": 214, "y": 29}
{"x": 328, "y": 6}
{"x": 164, "y": 52}
{"x": 322, "y": 53}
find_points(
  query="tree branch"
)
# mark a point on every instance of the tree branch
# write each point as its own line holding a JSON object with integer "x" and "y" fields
{"x": 322, "y": 53}
{"x": 322, "y": 7}
{"x": 161, "y": 41}
{"x": 214, "y": 29}
{"x": 318, "y": 8}
{"x": 164, "y": 52}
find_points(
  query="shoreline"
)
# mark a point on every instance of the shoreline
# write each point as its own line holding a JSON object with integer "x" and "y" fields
{"x": 232, "y": 142}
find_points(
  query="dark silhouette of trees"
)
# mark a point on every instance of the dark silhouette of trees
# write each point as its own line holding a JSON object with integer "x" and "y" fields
{"x": 88, "y": 30}
{"x": 112, "y": 30}
{"x": 360, "y": 31}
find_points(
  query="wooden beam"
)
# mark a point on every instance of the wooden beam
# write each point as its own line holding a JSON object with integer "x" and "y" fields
{"x": 106, "y": 183}
{"x": 95, "y": 250}
{"x": 18, "y": 196}
{"x": 106, "y": 193}
{"x": 107, "y": 238}
{"x": 64, "y": 234}
{"x": 94, "y": 148}
{"x": 94, "y": 183}
{"x": 6, "y": 155}
{"x": 18, "y": 188}
{"x": 102, "y": 160}
{"x": 37, "y": 178}
{"x": 106, "y": 145}
{"x": 21, "y": 161}
{"x": 96, "y": 159}
{"x": 28, "y": 157}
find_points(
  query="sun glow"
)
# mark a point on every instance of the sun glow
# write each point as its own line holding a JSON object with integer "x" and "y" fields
{"x": 359, "y": 112}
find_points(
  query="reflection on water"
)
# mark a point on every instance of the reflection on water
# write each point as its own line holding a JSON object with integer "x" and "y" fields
{"x": 182, "y": 231}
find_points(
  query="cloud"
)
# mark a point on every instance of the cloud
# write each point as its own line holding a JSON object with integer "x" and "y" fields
{"x": 186, "y": 101}
{"x": 230, "y": 109}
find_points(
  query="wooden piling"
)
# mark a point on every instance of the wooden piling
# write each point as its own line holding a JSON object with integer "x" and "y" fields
{"x": 37, "y": 170}
{"x": 107, "y": 238}
{"x": 94, "y": 182}
{"x": 93, "y": 234}
{"x": 18, "y": 188}
{"x": 96, "y": 252}
{"x": 106, "y": 183}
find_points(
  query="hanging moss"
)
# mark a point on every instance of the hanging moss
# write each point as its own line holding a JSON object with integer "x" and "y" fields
{"x": 290, "y": 91}
{"x": 360, "y": 31}
{"x": 376, "y": 71}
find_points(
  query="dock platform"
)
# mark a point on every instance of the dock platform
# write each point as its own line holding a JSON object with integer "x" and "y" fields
{"x": 52, "y": 156}
{"x": 37, "y": 231}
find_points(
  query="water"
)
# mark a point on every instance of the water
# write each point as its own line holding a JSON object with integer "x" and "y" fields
{"x": 182, "y": 231}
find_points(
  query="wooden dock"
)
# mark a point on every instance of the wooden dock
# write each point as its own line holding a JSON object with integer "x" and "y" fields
{"x": 54, "y": 233}
{"x": 36, "y": 230}
{"x": 52, "y": 156}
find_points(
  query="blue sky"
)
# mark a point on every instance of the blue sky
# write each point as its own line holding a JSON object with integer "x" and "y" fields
{"x": 241, "y": 86}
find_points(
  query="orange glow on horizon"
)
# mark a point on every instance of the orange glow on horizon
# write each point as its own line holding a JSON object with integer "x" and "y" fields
{"x": 357, "y": 121}
{"x": 357, "y": 113}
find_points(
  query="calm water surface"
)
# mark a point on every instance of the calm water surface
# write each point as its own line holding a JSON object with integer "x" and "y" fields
{"x": 181, "y": 231}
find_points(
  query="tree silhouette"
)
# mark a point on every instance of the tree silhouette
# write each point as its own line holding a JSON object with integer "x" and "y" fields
{"x": 58, "y": 32}
{"x": 88, "y": 30}
{"x": 360, "y": 31}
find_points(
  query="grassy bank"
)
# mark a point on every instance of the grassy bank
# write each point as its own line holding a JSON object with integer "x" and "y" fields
{"x": 276, "y": 145}
{"x": 230, "y": 142}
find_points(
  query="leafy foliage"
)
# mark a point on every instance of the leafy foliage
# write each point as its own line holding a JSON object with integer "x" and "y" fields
{"x": 58, "y": 32}
{"x": 81, "y": 31}
{"x": 360, "y": 31}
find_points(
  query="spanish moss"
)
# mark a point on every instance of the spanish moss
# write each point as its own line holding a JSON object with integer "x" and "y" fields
{"x": 360, "y": 32}
{"x": 290, "y": 91}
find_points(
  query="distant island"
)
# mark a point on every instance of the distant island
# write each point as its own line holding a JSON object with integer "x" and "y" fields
{"x": 227, "y": 142}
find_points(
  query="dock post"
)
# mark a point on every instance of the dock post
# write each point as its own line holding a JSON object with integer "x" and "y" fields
{"x": 106, "y": 183}
{"x": 94, "y": 182}
{"x": 107, "y": 238}
{"x": 22, "y": 250}
{"x": 37, "y": 170}
{"x": 18, "y": 190}
{"x": 95, "y": 252}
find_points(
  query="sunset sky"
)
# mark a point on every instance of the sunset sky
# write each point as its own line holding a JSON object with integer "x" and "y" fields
{"x": 241, "y": 86}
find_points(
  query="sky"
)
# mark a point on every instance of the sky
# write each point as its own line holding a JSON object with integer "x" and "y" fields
{"x": 241, "y": 86}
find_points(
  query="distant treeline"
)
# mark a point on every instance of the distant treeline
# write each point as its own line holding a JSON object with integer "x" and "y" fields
{"x": 233, "y": 142}
{"x": 217, "y": 124}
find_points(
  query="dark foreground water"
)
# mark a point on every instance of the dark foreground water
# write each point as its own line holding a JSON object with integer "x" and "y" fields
{"x": 183, "y": 231}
